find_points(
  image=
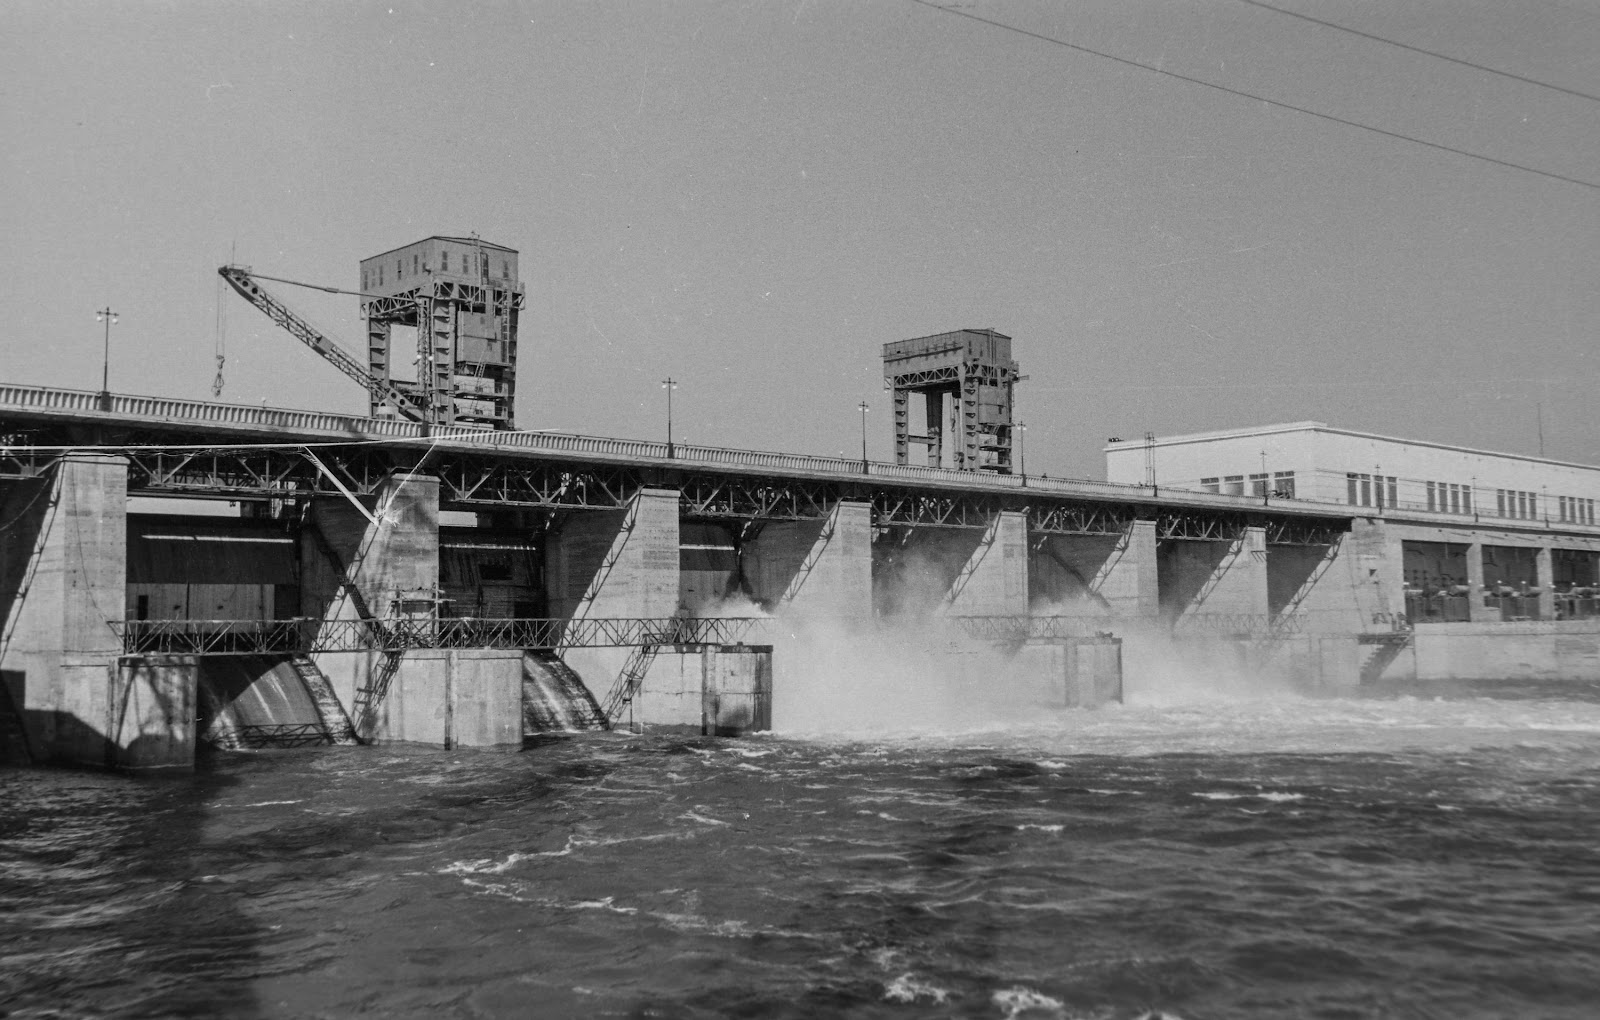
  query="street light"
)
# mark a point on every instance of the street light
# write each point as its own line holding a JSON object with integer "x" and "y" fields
{"x": 107, "y": 316}
{"x": 1022, "y": 451}
{"x": 864, "y": 409}
{"x": 669, "y": 384}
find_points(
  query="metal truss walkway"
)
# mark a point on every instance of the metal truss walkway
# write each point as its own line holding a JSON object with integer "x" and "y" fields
{"x": 301, "y": 637}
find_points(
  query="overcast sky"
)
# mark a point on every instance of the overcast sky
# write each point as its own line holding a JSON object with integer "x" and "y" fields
{"x": 753, "y": 197}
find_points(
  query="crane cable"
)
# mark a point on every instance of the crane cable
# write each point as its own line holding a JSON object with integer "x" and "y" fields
{"x": 220, "y": 351}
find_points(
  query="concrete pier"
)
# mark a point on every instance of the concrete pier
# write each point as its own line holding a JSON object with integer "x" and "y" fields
{"x": 64, "y": 569}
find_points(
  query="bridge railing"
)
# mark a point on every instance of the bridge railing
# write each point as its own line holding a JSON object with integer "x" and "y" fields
{"x": 357, "y": 428}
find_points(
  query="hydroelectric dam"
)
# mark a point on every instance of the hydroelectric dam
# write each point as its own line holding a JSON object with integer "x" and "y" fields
{"x": 385, "y": 580}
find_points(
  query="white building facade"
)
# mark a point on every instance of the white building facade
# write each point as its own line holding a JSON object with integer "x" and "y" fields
{"x": 1313, "y": 461}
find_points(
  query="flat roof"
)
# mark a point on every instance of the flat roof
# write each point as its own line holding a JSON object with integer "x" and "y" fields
{"x": 1322, "y": 426}
{"x": 473, "y": 241}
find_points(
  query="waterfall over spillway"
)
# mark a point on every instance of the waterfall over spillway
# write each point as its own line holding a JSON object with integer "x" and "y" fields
{"x": 554, "y": 698}
{"x": 267, "y": 701}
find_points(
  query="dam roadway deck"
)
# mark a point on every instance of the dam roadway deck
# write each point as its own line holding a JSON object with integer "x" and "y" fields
{"x": 199, "y": 448}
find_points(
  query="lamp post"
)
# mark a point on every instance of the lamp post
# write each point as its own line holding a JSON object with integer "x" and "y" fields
{"x": 1022, "y": 451}
{"x": 669, "y": 384}
{"x": 107, "y": 316}
{"x": 1266, "y": 480}
{"x": 864, "y": 409}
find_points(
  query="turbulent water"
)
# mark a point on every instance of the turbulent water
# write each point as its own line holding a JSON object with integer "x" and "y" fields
{"x": 1413, "y": 856}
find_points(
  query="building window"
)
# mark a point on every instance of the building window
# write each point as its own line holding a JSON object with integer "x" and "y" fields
{"x": 399, "y": 269}
{"x": 444, "y": 262}
{"x": 505, "y": 269}
{"x": 1211, "y": 484}
{"x": 1283, "y": 484}
{"x": 1432, "y": 502}
{"x": 363, "y": 279}
{"x": 1233, "y": 485}
{"x": 1352, "y": 484}
{"x": 414, "y": 262}
{"x": 1258, "y": 485}
{"x": 380, "y": 276}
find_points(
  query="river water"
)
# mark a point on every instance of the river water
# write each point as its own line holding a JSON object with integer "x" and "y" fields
{"x": 1418, "y": 855}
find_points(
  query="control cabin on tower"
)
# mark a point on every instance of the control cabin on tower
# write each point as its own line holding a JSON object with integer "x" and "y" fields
{"x": 459, "y": 298}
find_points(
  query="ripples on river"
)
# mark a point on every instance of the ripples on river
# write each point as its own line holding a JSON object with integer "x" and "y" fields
{"x": 1407, "y": 857}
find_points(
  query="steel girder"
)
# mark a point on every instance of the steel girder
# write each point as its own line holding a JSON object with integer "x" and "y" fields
{"x": 479, "y": 481}
{"x": 917, "y": 509}
{"x": 265, "y": 473}
{"x": 926, "y": 377}
{"x": 734, "y": 496}
{"x": 1081, "y": 518}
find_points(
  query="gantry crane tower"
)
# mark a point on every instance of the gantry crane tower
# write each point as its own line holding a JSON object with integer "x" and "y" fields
{"x": 462, "y": 298}
{"x": 966, "y": 380}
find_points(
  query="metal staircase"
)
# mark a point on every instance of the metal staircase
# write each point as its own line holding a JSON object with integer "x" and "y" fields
{"x": 1384, "y": 649}
{"x": 626, "y": 686}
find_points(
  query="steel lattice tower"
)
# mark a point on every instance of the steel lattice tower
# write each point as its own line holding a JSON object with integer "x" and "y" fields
{"x": 462, "y": 296}
{"x": 971, "y": 430}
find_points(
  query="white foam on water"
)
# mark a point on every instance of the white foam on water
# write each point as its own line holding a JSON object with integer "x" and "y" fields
{"x": 1042, "y": 828}
{"x": 1020, "y": 1001}
{"x": 909, "y": 988}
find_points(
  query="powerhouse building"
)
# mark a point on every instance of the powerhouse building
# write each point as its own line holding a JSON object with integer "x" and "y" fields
{"x": 1465, "y": 534}
{"x": 1311, "y": 460}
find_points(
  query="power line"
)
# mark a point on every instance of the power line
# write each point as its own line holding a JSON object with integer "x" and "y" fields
{"x": 1418, "y": 49}
{"x": 1260, "y": 99}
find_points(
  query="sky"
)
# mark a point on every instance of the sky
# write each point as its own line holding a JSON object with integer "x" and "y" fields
{"x": 752, "y": 198}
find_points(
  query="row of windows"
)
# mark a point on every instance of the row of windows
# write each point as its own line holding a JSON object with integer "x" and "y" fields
{"x": 1372, "y": 490}
{"x": 470, "y": 264}
{"x": 1576, "y": 510}
{"x": 1515, "y": 503}
{"x": 1449, "y": 498}
{"x": 1234, "y": 485}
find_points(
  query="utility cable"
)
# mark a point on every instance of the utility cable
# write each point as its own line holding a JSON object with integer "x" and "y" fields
{"x": 1419, "y": 49}
{"x": 1257, "y": 98}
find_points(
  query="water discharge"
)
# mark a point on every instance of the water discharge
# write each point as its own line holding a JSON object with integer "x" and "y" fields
{"x": 1423, "y": 853}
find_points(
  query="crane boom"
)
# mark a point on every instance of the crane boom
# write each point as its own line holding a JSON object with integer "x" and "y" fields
{"x": 241, "y": 280}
